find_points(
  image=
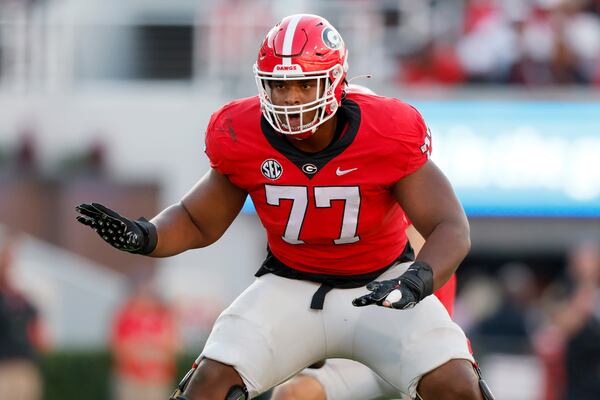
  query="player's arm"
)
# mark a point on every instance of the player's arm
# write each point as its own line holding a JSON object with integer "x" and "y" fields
{"x": 201, "y": 217}
{"x": 429, "y": 200}
{"x": 431, "y": 204}
{"x": 198, "y": 220}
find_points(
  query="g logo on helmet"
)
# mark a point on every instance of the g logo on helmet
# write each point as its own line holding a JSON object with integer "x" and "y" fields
{"x": 331, "y": 38}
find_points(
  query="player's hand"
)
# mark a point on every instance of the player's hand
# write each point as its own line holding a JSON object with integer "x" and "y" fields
{"x": 391, "y": 293}
{"x": 401, "y": 293}
{"x": 137, "y": 236}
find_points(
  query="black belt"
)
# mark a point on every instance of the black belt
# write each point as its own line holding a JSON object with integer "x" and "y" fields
{"x": 272, "y": 265}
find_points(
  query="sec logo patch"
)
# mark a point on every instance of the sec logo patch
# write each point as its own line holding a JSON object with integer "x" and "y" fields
{"x": 271, "y": 169}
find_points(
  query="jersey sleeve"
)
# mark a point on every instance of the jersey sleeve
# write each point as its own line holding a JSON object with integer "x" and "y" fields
{"x": 414, "y": 143}
{"x": 215, "y": 143}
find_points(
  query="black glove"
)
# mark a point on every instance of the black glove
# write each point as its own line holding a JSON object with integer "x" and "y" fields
{"x": 137, "y": 236}
{"x": 403, "y": 292}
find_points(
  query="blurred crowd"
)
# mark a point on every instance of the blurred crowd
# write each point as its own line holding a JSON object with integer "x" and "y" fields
{"x": 526, "y": 42}
{"x": 450, "y": 42}
{"x": 142, "y": 338}
{"x": 545, "y": 331}
{"x": 431, "y": 42}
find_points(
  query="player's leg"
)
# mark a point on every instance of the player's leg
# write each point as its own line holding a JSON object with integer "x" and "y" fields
{"x": 431, "y": 354}
{"x": 338, "y": 379}
{"x": 300, "y": 387}
{"x": 402, "y": 346}
{"x": 343, "y": 378}
{"x": 255, "y": 341}
{"x": 455, "y": 379}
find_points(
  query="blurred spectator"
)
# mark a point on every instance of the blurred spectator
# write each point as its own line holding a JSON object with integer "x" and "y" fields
{"x": 435, "y": 64}
{"x": 510, "y": 322}
{"x": 488, "y": 48}
{"x": 569, "y": 344}
{"x": 144, "y": 345}
{"x": 537, "y": 44}
{"x": 90, "y": 163}
{"x": 25, "y": 154}
{"x": 479, "y": 297}
{"x": 20, "y": 334}
{"x": 580, "y": 36}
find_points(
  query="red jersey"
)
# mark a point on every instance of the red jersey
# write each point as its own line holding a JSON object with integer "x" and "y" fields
{"x": 144, "y": 340}
{"x": 447, "y": 293}
{"x": 330, "y": 212}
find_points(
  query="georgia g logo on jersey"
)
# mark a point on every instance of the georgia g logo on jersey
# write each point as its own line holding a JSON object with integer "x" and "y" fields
{"x": 309, "y": 168}
{"x": 271, "y": 169}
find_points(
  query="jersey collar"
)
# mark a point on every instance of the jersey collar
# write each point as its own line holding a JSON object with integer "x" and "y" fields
{"x": 349, "y": 111}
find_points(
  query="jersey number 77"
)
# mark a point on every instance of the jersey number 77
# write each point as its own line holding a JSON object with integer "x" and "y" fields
{"x": 323, "y": 195}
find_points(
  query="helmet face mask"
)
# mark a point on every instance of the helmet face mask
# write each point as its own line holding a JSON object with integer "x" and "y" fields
{"x": 301, "y": 47}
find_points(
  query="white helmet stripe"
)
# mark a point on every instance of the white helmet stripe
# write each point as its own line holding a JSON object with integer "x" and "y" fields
{"x": 288, "y": 40}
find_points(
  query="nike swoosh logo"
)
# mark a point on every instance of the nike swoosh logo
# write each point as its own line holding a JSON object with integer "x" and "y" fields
{"x": 340, "y": 172}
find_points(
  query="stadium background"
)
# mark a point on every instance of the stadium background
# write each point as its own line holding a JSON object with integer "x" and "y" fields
{"x": 107, "y": 101}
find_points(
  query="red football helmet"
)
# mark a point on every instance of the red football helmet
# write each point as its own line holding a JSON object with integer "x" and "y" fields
{"x": 302, "y": 46}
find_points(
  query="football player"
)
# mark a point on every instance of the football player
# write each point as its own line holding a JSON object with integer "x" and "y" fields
{"x": 332, "y": 177}
{"x": 344, "y": 378}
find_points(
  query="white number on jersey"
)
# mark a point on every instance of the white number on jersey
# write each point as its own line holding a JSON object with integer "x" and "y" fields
{"x": 323, "y": 198}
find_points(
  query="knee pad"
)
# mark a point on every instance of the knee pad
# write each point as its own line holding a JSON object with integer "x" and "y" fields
{"x": 178, "y": 393}
{"x": 237, "y": 392}
{"x": 485, "y": 389}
